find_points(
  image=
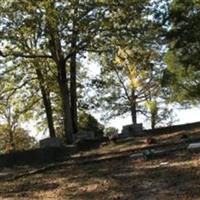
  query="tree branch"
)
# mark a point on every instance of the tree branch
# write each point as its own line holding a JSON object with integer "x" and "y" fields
{"x": 21, "y": 55}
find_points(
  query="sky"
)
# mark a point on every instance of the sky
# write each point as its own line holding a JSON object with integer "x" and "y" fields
{"x": 183, "y": 116}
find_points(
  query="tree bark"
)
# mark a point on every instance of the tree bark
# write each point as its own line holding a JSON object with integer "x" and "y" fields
{"x": 47, "y": 104}
{"x": 153, "y": 120}
{"x": 152, "y": 125}
{"x": 133, "y": 107}
{"x": 73, "y": 85}
{"x": 11, "y": 140}
{"x": 64, "y": 93}
{"x": 10, "y": 128}
{"x": 58, "y": 57}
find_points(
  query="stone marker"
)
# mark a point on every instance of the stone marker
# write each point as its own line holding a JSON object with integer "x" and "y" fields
{"x": 136, "y": 155}
{"x": 194, "y": 147}
{"x": 88, "y": 135}
{"x": 50, "y": 142}
{"x": 164, "y": 164}
{"x": 132, "y": 130}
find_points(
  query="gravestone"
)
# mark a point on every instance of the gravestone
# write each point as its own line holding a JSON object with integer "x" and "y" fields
{"x": 86, "y": 140}
{"x": 50, "y": 142}
{"x": 87, "y": 135}
{"x": 132, "y": 130}
{"x": 194, "y": 147}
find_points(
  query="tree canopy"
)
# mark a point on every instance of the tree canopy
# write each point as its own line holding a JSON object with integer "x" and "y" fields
{"x": 146, "y": 51}
{"x": 182, "y": 39}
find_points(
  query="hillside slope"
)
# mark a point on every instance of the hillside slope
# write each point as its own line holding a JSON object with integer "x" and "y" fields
{"x": 113, "y": 172}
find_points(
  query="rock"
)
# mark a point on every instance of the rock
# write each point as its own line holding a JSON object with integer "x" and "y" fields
{"x": 194, "y": 147}
{"x": 164, "y": 164}
{"x": 136, "y": 155}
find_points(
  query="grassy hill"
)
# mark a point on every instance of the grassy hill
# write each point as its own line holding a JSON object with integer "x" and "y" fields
{"x": 116, "y": 171}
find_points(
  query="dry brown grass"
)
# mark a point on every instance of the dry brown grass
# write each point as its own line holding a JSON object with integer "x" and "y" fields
{"x": 175, "y": 176}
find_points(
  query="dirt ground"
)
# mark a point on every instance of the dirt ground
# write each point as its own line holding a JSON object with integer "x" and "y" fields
{"x": 174, "y": 176}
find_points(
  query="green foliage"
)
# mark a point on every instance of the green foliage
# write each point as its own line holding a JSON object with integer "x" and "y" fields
{"x": 125, "y": 37}
{"x": 159, "y": 115}
{"x": 110, "y": 131}
{"x": 36, "y": 32}
{"x": 21, "y": 139}
{"x": 152, "y": 107}
{"x": 182, "y": 58}
{"x": 88, "y": 123}
{"x": 128, "y": 74}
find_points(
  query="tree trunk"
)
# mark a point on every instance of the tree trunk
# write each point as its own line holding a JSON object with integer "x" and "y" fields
{"x": 47, "y": 103}
{"x": 8, "y": 116}
{"x": 64, "y": 92}
{"x": 73, "y": 86}
{"x": 153, "y": 121}
{"x": 73, "y": 92}
{"x": 154, "y": 116}
{"x": 133, "y": 107}
{"x": 58, "y": 57}
{"x": 11, "y": 140}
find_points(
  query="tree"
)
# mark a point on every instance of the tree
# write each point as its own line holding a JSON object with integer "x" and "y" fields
{"x": 131, "y": 70}
{"x": 11, "y": 119}
{"x": 12, "y": 114}
{"x": 183, "y": 36}
{"x": 45, "y": 91}
{"x": 159, "y": 114}
{"x": 88, "y": 123}
{"x": 60, "y": 32}
{"x": 183, "y": 50}
{"x": 32, "y": 76}
{"x": 127, "y": 79}
{"x": 15, "y": 102}
{"x": 21, "y": 139}
{"x": 55, "y": 23}
{"x": 110, "y": 131}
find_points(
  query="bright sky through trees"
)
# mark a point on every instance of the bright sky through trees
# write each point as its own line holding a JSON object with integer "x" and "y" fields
{"x": 128, "y": 69}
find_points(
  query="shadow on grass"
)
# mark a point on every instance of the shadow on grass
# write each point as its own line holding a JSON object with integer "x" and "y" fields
{"x": 122, "y": 179}
{"x": 126, "y": 182}
{"x": 21, "y": 188}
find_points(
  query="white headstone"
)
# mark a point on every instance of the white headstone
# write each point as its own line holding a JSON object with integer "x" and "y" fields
{"x": 195, "y": 147}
